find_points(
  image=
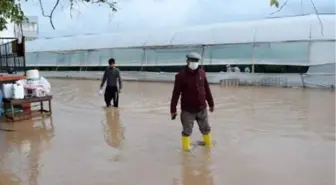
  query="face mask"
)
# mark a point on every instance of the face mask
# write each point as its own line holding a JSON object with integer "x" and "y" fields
{"x": 193, "y": 65}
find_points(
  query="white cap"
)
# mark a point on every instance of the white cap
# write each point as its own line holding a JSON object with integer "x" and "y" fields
{"x": 194, "y": 55}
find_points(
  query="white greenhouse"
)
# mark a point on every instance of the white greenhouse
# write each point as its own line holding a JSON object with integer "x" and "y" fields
{"x": 299, "y": 41}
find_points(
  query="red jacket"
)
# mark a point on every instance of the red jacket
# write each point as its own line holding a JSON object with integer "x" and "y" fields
{"x": 194, "y": 89}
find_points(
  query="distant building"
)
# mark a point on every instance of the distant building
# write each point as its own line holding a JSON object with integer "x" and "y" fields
{"x": 29, "y": 28}
{"x": 9, "y": 32}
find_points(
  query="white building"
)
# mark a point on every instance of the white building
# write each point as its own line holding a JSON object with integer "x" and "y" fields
{"x": 29, "y": 29}
{"x": 9, "y": 32}
{"x": 292, "y": 44}
{"x": 279, "y": 41}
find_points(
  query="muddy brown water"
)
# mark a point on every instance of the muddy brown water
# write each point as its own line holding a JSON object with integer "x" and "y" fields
{"x": 264, "y": 136}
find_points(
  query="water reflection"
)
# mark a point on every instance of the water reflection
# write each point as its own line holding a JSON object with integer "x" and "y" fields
{"x": 24, "y": 145}
{"x": 113, "y": 130}
{"x": 196, "y": 168}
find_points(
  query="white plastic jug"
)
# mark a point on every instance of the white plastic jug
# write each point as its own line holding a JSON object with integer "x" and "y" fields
{"x": 7, "y": 91}
{"x": 33, "y": 74}
{"x": 18, "y": 91}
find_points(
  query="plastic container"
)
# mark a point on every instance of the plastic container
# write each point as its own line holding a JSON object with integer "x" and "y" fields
{"x": 18, "y": 91}
{"x": 33, "y": 74}
{"x": 7, "y": 91}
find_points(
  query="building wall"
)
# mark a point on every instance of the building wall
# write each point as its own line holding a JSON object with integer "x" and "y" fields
{"x": 29, "y": 28}
{"x": 9, "y": 32}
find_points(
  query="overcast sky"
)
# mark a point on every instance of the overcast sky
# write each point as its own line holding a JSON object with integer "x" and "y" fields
{"x": 146, "y": 14}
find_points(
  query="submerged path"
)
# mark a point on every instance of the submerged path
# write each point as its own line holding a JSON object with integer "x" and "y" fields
{"x": 264, "y": 136}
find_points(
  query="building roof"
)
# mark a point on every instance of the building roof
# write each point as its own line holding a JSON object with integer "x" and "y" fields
{"x": 300, "y": 28}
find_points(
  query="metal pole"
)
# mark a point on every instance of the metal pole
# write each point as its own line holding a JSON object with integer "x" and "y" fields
{"x": 253, "y": 57}
{"x": 309, "y": 55}
{"x": 253, "y": 49}
{"x": 202, "y": 54}
{"x": 309, "y": 45}
{"x": 24, "y": 54}
{"x": 6, "y": 55}
{"x": 144, "y": 58}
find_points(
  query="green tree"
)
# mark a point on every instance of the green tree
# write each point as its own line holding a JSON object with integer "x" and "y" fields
{"x": 11, "y": 11}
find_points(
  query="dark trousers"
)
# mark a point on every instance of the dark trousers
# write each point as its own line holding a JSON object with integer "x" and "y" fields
{"x": 201, "y": 118}
{"x": 111, "y": 93}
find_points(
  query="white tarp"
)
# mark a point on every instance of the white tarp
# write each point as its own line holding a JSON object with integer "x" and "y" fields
{"x": 322, "y": 53}
{"x": 299, "y": 28}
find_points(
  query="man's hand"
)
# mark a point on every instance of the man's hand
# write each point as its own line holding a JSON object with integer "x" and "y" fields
{"x": 212, "y": 109}
{"x": 173, "y": 115}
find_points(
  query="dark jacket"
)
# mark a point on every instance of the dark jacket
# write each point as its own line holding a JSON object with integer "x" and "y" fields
{"x": 194, "y": 89}
{"x": 112, "y": 76}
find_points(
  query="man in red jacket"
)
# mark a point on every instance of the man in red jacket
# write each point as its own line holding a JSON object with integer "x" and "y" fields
{"x": 191, "y": 83}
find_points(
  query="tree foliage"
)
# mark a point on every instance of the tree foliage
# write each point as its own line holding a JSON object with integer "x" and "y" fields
{"x": 274, "y": 3}
{"x": 11, "y": 11}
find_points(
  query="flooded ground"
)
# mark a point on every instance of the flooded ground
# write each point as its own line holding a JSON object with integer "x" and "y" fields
{"x": 264, "y": 136}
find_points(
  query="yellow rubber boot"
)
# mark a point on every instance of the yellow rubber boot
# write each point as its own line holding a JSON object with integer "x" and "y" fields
{"x": 207, "y": 140}
{"x": 186, "y": 143}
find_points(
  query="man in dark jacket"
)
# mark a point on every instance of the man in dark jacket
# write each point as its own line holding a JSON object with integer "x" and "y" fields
{"x": 112, "y": 78}
{"x": 191, "y": 83}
